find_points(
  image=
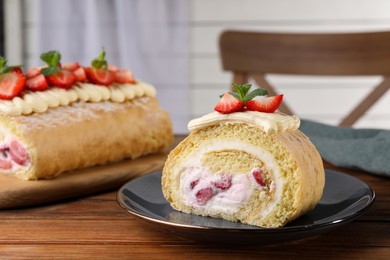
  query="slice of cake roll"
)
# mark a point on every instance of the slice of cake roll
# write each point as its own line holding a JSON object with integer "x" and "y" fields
{"x": 248, "y": 166}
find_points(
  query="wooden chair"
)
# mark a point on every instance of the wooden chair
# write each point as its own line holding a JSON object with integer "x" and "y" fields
{"x": 255, "y": 54}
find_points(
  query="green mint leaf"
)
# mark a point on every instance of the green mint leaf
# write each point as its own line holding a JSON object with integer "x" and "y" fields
{"x": 100, "y": 61}
{"x": 8, "y": 69}
{"x": 241, "y": 90}
{"x": 52, "y": 58}
{"x": 49, "y": 70}
{"x": 3, "y": 62}
{"x": 235, "y": 95}
{"x": 255, "y": 93}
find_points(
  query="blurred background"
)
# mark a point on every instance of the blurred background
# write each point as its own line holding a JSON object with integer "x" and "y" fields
{"x": 173, "y": 44}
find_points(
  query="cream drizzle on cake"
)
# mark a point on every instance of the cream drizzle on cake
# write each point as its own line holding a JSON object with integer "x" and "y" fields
{"x": 269, "y": 122}
{"x": 41, "y": 101}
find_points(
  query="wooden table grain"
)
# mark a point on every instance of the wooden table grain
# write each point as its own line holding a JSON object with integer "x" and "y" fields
{"x": 96, "y": 227}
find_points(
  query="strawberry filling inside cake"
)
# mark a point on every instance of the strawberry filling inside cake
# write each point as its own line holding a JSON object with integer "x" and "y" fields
{"x": 221, "y": 191}
{"x": 13, "y": 155}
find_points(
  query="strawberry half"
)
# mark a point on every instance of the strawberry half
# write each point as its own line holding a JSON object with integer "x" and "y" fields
{"x": 267, "y": 105}
{"x": 62, "y": 79}
{"x": 71, "y": 66}
{"x": 80, "y": 75}
{"x": 11, "y": 84}
{"x": 37, "y": 83}
{"x": 229, "y": 104}
{"x": 33, "y": 72}
{"x": 100, "y": 76}
{"x": 124, "y": 76}
{"x": 113, "y": 68}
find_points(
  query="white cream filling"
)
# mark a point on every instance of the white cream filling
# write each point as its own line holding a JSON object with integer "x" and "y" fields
{"x": 214, "y": 206}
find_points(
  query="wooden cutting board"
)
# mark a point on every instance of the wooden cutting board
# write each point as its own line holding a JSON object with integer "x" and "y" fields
{"x": 15, "y": 193}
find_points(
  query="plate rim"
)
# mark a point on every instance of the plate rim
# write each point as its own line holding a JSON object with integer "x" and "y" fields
{"x": 254, "y": 229}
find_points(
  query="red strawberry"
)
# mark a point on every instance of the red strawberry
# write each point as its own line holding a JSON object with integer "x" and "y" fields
{"x": 194, "y": 183}
{"x": 257, "y": 174}
{"x": 71, "y": 66}
{"x": 80, "y": 75}
{"x": 267, "y": 105}
{"x": 228, "y": 104}
{"x": 224, "y": 183}
{"x": 204, "y": 195}
{"x": 33, "y": 72}
{"x": 11, "y": 84}
{"x": 18, "y": 152}
{"x": 17, "y": 70}
{"x": 5, "y": 164}
{"x": 62, "y": 79}
{"x": 124, "y": 76}
{"x": 100, "y": 76}
{"x": 112, "y": 68}
{"x": 37, "y": 83}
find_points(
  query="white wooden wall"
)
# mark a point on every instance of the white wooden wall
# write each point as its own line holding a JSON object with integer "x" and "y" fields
{"x": 324, "y": 99}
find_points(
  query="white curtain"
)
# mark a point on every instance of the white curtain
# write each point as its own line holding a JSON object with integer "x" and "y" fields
{"x": 148, "y": 36}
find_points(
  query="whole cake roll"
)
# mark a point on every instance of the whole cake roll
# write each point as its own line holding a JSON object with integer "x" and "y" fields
{"x": 76, "y": 118}
{"x": 241, "y": 165}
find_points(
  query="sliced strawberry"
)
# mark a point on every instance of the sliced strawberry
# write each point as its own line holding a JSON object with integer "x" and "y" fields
{"x": 37, "y": 83}
{"x": 267, "y": 105}
{"x": 100, "y": 76}
{"x": 124, "y": 76}
{"x": 258, "y": 175}
{"x": 71, "y": 66}
{"x": 112, "y": 68}
{"x": 11, "y": 84}
{"x": 228, "y": 104}
{"x": 62, "y": 79}
{"x": 33, "y": 72}
{"x": 204, "y": 195}
{"x": 5, "y": 164}
{"x": 194, "y": 183}
{"x": 17, "y": 70}
{"x": 80, "y": 75}
{"x": 18, "y": 152}
{"x": 224, "y": 183}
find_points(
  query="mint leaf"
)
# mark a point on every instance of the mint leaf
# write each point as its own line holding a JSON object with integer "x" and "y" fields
{"x": 235, "y": 95}
{"x": 8, "y": 69}
{"x": 255, "y": 93}
{"x": 100, "y": 62}
{"x": 51, "y": 58}
{"x": 49, "y": 70}
{"x": 3, "y": 66}
{"x": 241, "y": 89}
{"x": 3, "y": 62}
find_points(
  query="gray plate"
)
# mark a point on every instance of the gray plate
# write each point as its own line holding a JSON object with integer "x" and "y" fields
{"x": 344, "y": 199}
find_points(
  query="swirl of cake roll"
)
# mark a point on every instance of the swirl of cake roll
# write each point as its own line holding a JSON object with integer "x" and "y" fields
{"x": 61, "y": 118}
{"x": 249, "y": 166}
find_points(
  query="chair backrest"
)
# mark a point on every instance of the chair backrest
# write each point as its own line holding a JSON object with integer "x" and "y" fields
{"x": 254, "y": 54}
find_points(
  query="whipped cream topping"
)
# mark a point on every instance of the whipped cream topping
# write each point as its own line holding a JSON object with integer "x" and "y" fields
{"x": 41, "y": 101}
{"x": 269, "y": 122}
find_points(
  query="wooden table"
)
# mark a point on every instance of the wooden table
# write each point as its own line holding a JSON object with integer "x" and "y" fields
{"x": 96, "y": 227}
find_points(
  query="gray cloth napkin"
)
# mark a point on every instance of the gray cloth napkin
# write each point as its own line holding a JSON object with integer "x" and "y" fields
{"x": 365, "y": 149}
